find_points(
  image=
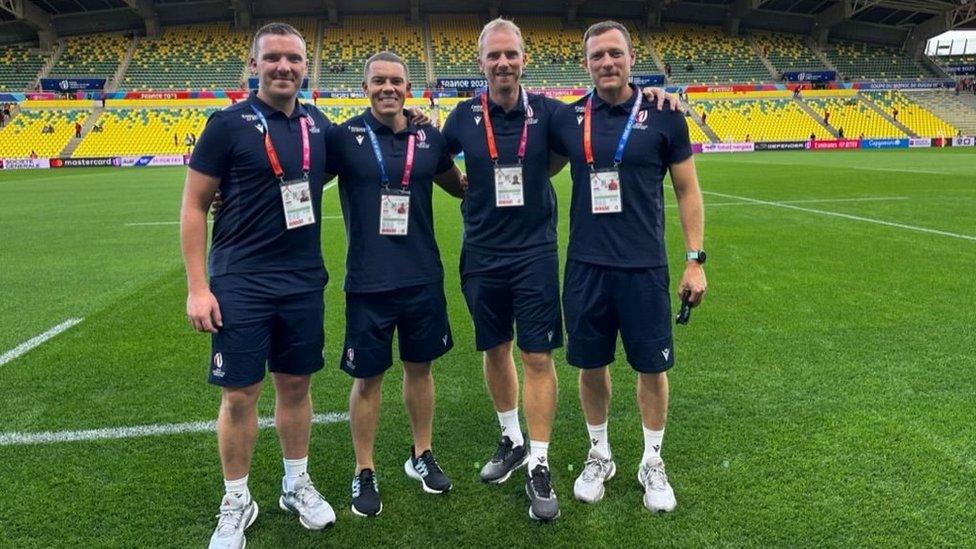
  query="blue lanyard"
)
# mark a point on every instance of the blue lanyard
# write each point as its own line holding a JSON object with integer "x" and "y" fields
{"x": 379, "y": 154}
{"x": 622, "y": 144}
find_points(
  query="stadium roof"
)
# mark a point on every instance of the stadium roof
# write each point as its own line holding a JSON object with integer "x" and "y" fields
{"x": 890, "y": 21}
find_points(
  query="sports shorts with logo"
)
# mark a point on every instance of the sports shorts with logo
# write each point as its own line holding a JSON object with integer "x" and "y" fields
{"x": 501, "y": 290}
{"x": 601, "y": 301}
{"x": 418, "y": 314}
{"x": 269, "y": 322}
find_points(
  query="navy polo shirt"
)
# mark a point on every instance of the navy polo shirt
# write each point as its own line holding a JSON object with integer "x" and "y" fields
{"x": 635, "y": 236}
{"x": 375, "y": 262}
{"x": 249, "y": 234}
{"x": 512, "y": 230}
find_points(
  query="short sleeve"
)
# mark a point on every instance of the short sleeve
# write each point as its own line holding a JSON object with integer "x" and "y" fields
{"x": 213, "y": 153}
{"x": 450, "y": 132}
{"x": 333, "y": 152}
{"x": 445, "y": 161}
{"x": 679, "y": 144}
{"x": 556, "y": 143}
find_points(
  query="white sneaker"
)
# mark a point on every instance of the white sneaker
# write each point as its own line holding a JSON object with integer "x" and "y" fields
{"x": 658, "y": 495}
{"x": 597, "y": 470}
{"x": 235, "y": 516}
{"x": 305, "y": 501}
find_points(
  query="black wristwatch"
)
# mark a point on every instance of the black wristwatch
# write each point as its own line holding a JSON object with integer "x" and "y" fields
{"x": 697, "y": 255}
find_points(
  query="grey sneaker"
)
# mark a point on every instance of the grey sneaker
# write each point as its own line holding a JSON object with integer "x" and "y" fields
{"x": 507, "y": 458}
{"x": 235, "y": 516}
{"x": 658, "y": 495}
{"x": 597, "y": 470}
{"x": 305, "y": 501}
{"x": 543, "y": 504}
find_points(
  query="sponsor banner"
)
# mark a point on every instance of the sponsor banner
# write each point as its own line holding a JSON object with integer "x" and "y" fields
{"x": 696, "y": 148}
{"x": 884, "y": 143}
{"x": 343, "y": 94}
{"x": 149, "y": 160}
{"x": 84, "y": 162}
{"x": 643, "y": 80}
{"x": 473, "y": 83}
{"x": 909, "y": 85}
{"x": 732, "y": 88}
{"x": 964, "y": 141}
{"x": 252, "y": 83}
{"x": 835, "y": 144}
{"x": 36, "y": 96}
{"x": 781, "y": 146}
{"x": 809, "y": 76}
{"x": 72, "y": 84}
{"x": 560, "y": 92}
{"x": 919, "y": 143}
{"x": 26, "y": 163}
{"x": 728, "y": 147}
{"x": 961, "y": 69}
{"x": 156, "y": 95}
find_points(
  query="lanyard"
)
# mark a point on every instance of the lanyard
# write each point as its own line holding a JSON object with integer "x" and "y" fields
{"x": 273, "y": 155}
{"x": 490, "y": 132}
{"x": 588, "y": 126}
{"x": 407, "y": 168}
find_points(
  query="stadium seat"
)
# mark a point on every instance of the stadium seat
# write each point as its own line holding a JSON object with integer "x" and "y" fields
{"x": 454, "y": 39}
{"x": 24, "y": 135}
{"x": 916, "y": 117}
{"x": 91, "y": 55}
{"x": 695, "y": 132}
{"x": 198, "y": 57}
{"x": 862, "y": 61}
{"x": 854, "y": 117}
{"x": 19, "y": 66}
{"x": 788, "y": 52}
{"x": 712, "y": 56}
{"x": 143, "y": 131}
{"x": 770, "y": 120}
{"x": 359, "y": 37}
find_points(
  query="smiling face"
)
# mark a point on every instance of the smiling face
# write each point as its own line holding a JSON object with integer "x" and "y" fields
{"x": 502, "y": 59}
{"x": 387, "y": 87}
{"x": 609, "y": 60}
{"x": 280, "y": 65}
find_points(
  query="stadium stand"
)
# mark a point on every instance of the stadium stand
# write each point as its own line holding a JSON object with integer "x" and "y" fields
{"x": 92, "y": 55}
{"x": 854, "y": 117}
{"x": 25, "y": 132}
{"x": 19, "y": 66}
{"x": 911, "y": 114}
{"x": 956, "y": 60}
{"x": 199, "y": 57}
{"x": 713, "y": 57}
{"x": 143, "y": 131}
{"x": 862, "y": 61}
{"x": 360, "y": 36}
{"x": 555, "y": 53}
{"x": 695, "y": 132}
{"x": 787, "y": 52}
{"x": 454, "y": 39}
{"x": 957, "y": 110}
{"x": 338, "y": 115}
{"x": 770, "y": 120}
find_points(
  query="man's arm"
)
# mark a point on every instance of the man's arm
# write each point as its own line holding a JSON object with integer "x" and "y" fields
{"x": 450, "y": 181}
{"x": 201, "y": 305}
{"x": 692, "y": 213}
{"x": 660, "y": 94}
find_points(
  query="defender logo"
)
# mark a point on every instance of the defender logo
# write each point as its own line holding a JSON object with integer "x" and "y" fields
{"x": 359, "y": 139}
{"x": 666, "y": 353}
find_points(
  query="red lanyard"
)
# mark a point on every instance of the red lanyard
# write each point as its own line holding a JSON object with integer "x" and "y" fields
{"x": 408, "y": 167}
{"x": 273, "y": 154}
{"x": 490, "y": 132}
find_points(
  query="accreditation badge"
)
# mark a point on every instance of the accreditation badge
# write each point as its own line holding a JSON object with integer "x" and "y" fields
{"x": 605, "y": 191}
{"x": 509, "y": 183}
{"x": 296, "y": 197}
{"x": 394, "y": 212}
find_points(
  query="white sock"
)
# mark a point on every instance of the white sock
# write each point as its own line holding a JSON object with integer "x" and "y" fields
{"x": 538, "y": 454}
{"x": 237, "y": 488}
{"x": 294, "y": 468}
{"x": 510, "y": 426}
{"x": 598, "y": 438}
{"x": 653, "y": 440}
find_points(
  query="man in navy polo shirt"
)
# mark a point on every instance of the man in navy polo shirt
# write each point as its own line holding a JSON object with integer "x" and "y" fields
{"x": 616, "y": 271}
{"x": 509, "y": 262}
{"x": 263, "y": 303}
{"x": 394, "y": 277}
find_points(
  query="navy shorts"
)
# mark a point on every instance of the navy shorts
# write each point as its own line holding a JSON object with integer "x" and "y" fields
{"x": 284, "y": 332}
{"x": 417, "y": 313}
{"x": 600, "y": 301}
{"x": 524, "y": 290}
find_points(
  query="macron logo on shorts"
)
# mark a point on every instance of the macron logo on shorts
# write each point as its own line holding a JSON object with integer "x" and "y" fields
{"x": 666, "y": 353}
{"x": 444, "y": 339}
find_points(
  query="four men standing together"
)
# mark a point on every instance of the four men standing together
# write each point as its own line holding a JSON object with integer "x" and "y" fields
{"x": 270, "y": 157}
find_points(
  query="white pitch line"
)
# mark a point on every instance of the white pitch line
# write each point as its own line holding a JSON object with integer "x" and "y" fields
{"x": 37, "y": 340}
{"x": 50, "y": 437}
{"x": 865, "y": 199}
{"x": 846, "y": 216}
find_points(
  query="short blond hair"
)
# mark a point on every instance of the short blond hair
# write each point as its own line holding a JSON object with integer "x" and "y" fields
{"x": 499, "y": 24}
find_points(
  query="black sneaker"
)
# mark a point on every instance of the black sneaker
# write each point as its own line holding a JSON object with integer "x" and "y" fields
{"x": 543, "y": 504}
{"x": 506, "y": 459}
{"x": 425, "y": 469}
{"x": 366, "y": 494}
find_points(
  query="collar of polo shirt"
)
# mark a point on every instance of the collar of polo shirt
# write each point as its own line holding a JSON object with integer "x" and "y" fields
{"x": 599, "y": 103}
{"x": 380, "y": 127}
{"x": 267, "y": 110}
{"x": 492, "y": 106}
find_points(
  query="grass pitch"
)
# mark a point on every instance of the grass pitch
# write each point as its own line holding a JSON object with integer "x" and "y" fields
{"x": 823, "y": 394}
